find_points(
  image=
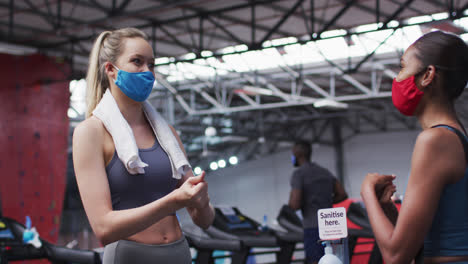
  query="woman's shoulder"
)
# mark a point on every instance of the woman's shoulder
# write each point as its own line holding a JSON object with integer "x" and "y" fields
{"x": 90, "y": 127}
{"x": 91, "y": 123}
{"x": 438, "y": 137}
{"x": 440, "y": 149}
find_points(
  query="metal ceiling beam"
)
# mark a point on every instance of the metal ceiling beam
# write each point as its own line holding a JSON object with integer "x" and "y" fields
{"x": 348, "y": 34}
{"x": 281, "y": 21}
{"x": 173, "y": 90}
{"x": 247, "y": 99}
{"x": 461, "y": 11}
{"x": 251, "y": 25}
{"x": 71, "y": 38}
{"x": 99, "y": 6}
{"x": 377, "y": 11}
{"x": 113, "y": 10}
{"x": 215, "y": 12}
{"x": 174, "y": 38}
{"x": 11, "y": 17}
{"x": 395, "y": 14}
{"x": 316, "y": 88}
{"x": 361, "y": 92}
{"x": 48, "y": 17}
{"x": 225, "y": 30}
{"x": 303, "y": 15}
{"x": 337, "y": 16}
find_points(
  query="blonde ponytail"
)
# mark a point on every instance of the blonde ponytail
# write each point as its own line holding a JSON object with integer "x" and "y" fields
{"x": 107, "y": 48}
{"x": 94, "y": 90}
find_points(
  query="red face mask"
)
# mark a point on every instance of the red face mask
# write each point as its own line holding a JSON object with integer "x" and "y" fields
{"x": 406, "y": 95}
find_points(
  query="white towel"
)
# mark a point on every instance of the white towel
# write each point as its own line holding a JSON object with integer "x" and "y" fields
{"x": 108, "y": 112}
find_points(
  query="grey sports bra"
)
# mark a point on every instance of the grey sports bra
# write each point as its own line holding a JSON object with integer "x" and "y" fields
{"x": 130, "y": 191}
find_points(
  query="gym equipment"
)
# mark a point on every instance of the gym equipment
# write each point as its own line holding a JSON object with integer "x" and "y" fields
{"x": 289, "y": 220}
{"x": 206, "y": 245}
{"x": 12, "y": 247}
{"x": 231, "y": 224}
{"x": 362, "y": 246}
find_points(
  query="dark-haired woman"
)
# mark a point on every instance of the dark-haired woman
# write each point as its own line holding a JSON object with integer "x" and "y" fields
{"x": 434, "y": 213}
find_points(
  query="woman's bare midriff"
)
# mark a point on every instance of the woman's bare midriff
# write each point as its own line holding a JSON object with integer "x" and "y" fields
{"x": 167, "y": 230}
{"x": 432, "y": 260}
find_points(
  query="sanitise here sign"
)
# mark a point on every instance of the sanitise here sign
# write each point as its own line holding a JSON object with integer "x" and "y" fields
{"x": 332, "y": 223}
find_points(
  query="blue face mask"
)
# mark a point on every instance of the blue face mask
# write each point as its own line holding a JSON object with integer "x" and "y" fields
{"x": 136, "y": 85}
{"x": 293, "y": 160}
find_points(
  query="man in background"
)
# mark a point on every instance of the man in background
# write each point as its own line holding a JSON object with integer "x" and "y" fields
{"x": 312, "y": 188}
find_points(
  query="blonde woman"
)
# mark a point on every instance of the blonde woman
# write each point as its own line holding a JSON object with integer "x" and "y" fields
{"x": 132, "y": 214}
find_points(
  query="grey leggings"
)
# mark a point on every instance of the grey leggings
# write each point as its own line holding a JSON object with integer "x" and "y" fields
{"x": 130, "y": 252}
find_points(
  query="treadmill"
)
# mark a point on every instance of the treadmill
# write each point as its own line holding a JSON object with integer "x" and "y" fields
{"x": 12, "y": 247}
{"x": 230, "y": 223}
{"x": 206, "y": 245}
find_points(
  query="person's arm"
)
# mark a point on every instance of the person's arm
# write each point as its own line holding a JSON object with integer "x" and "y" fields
{"x": 339, "y": 193}
{"x": 91, "y": 177}
{"x": 203, "y": 213}
{"x": 385, "y": 200}
{"x": 295, "y": 198}
{"x": 434, "y": 162}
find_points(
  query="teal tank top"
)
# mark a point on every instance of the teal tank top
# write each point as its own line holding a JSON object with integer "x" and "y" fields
{"x": 448, "y": 235}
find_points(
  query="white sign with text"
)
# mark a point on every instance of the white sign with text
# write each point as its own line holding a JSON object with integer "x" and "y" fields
{"x": 332, "y": 223}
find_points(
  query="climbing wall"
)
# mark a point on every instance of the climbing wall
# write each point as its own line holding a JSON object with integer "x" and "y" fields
{"x": 34, "y": 99}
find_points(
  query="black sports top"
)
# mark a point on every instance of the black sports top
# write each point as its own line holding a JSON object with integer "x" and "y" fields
{"x": 134, "y": 190}
{"x": 448, "y": 235}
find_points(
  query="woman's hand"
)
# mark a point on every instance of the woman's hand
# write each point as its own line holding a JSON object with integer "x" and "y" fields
{"x": 385, "y": 195}
{"x": 381, "y": 185}
{"x": 194, "y": 192}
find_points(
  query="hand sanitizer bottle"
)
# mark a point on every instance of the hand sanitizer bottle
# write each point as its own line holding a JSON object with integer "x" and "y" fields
{"x": 329, "y": 258}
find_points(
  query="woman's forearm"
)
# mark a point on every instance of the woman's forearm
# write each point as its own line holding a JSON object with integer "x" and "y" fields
{"x": 202, "y": 217}
{"x": 391, "y": 212}
{"x": 382, "y": 225}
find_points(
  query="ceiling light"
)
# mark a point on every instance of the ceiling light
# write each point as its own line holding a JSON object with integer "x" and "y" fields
{"x": 213, "y": 165}
{"x": 266, "y": 44}
{"x": 329, "y": 103}
{"x": 283, "y": 41}
{"x": 240, "y": 48}
{"x": 197, "y": 170}
{"x": 419, "y": 20}
{"x": 393, "y": 24}
{"x": 233, "y": 160}
{"x": 333, "y": 33}
{"x": 367, "y": 27}
{"x": 189, "y": 56}
{"x": 440, "y": 16}
{"x": 206, "y": 53}
{"x": 210, "y": 131}
{"x": 161, "y": 60}
{"x": 221, "y": 163}
{"x": 253, "y": 90}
